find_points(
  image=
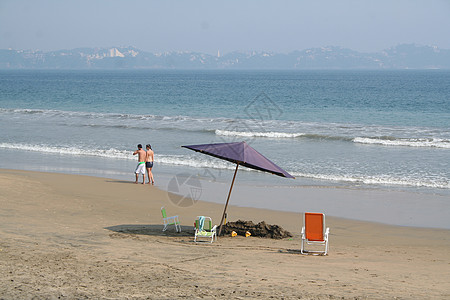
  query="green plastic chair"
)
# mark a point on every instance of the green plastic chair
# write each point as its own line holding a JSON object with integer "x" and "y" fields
{"x": 170, "y": 220}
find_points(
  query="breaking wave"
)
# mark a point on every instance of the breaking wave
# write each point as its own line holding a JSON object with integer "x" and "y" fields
{"x": 424, "y": 142}
{"x": 180, "y": 160}
{"x": 276, "y": 135}
{"x": 108, "y": 153}
{"x": 379, "y": 180}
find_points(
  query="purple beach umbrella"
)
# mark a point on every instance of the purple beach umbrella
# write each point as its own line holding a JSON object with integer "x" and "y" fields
{"x": 241, "y": 154}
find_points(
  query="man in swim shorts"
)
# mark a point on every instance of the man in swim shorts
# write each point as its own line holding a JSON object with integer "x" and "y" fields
{"x": 140, "y": 169}
{"x": 149, "y": 163}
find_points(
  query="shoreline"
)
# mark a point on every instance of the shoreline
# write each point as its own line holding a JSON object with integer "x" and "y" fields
{"x": 73, "y": 236}
{"x": 378, "y": 205}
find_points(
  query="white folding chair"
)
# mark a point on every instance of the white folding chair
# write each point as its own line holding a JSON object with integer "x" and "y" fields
{"x": 314, "y": 232}
{"x": 204, "y": 229}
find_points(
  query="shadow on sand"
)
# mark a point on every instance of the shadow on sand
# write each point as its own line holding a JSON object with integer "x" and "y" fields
{"x": 122, "y": 181}
{"x": 153, "y": 230}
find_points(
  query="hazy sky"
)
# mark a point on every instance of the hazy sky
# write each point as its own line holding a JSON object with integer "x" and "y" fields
{"x": 228, "y": 25}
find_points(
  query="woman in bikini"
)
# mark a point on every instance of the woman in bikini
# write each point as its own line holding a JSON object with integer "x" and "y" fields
{"x": 149, "y": 163}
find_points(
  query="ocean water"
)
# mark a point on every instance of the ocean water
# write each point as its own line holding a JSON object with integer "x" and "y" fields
{"x": 360, "y": 129}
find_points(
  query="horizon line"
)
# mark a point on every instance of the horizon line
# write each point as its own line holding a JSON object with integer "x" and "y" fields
{"x": 219, "y": 51}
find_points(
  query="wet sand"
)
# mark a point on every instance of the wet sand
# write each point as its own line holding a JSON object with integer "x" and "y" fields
{"x": 78, "y": 237}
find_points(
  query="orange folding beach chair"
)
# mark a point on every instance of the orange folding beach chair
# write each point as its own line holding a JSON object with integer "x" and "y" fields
{"x": 314, "y": 232}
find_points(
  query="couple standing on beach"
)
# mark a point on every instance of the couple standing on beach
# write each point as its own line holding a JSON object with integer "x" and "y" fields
{"x": 145, "y": 159}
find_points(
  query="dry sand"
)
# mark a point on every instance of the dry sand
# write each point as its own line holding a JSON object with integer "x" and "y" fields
{"x": 78, "y": 237}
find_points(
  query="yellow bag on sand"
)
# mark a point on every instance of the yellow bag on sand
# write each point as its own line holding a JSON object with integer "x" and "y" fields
{"x": 234, "y": 233}
{"x": 247, "y": 234}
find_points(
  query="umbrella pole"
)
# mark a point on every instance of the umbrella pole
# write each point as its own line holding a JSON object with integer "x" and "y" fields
{"x": 228, "y": 199}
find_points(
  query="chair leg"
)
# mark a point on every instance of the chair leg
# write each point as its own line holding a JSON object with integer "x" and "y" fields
{"x": 177, "y": 225}
{"x": 302, "y": 248}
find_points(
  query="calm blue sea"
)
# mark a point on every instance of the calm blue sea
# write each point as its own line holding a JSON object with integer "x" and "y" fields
{"x": 363, "y": 129}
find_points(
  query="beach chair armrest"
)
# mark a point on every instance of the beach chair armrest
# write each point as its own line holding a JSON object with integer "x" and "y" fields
{"x": 303, "y": 231}
{"x": 214, "y": 228}
{"x": 327, "y": 232}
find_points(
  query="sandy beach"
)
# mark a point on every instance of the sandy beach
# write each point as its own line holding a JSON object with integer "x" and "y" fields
{"x": 78, "y": 237}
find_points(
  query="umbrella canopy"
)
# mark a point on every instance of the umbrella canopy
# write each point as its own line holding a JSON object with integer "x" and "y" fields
{"x": 242, "y": 154}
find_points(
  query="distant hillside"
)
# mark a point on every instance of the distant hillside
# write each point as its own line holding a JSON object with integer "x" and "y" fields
{"x": 407, "y": 56}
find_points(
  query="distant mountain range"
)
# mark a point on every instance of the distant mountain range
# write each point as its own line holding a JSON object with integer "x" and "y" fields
{"x": 406, "y": 56}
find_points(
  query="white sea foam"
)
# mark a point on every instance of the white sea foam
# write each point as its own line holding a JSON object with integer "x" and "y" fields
{"x": 381, "y": 180}
{"x": 272, "y": 134}
{"x": 180, "y": 160}
{"x": 432, "y": 142}
{"x": 109, "y": 153}
{"x": 203, "y": 162}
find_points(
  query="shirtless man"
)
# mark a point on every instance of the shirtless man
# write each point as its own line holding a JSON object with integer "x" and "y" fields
{"x": 140, "y": 169}
{"x": 149, "y": 163}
